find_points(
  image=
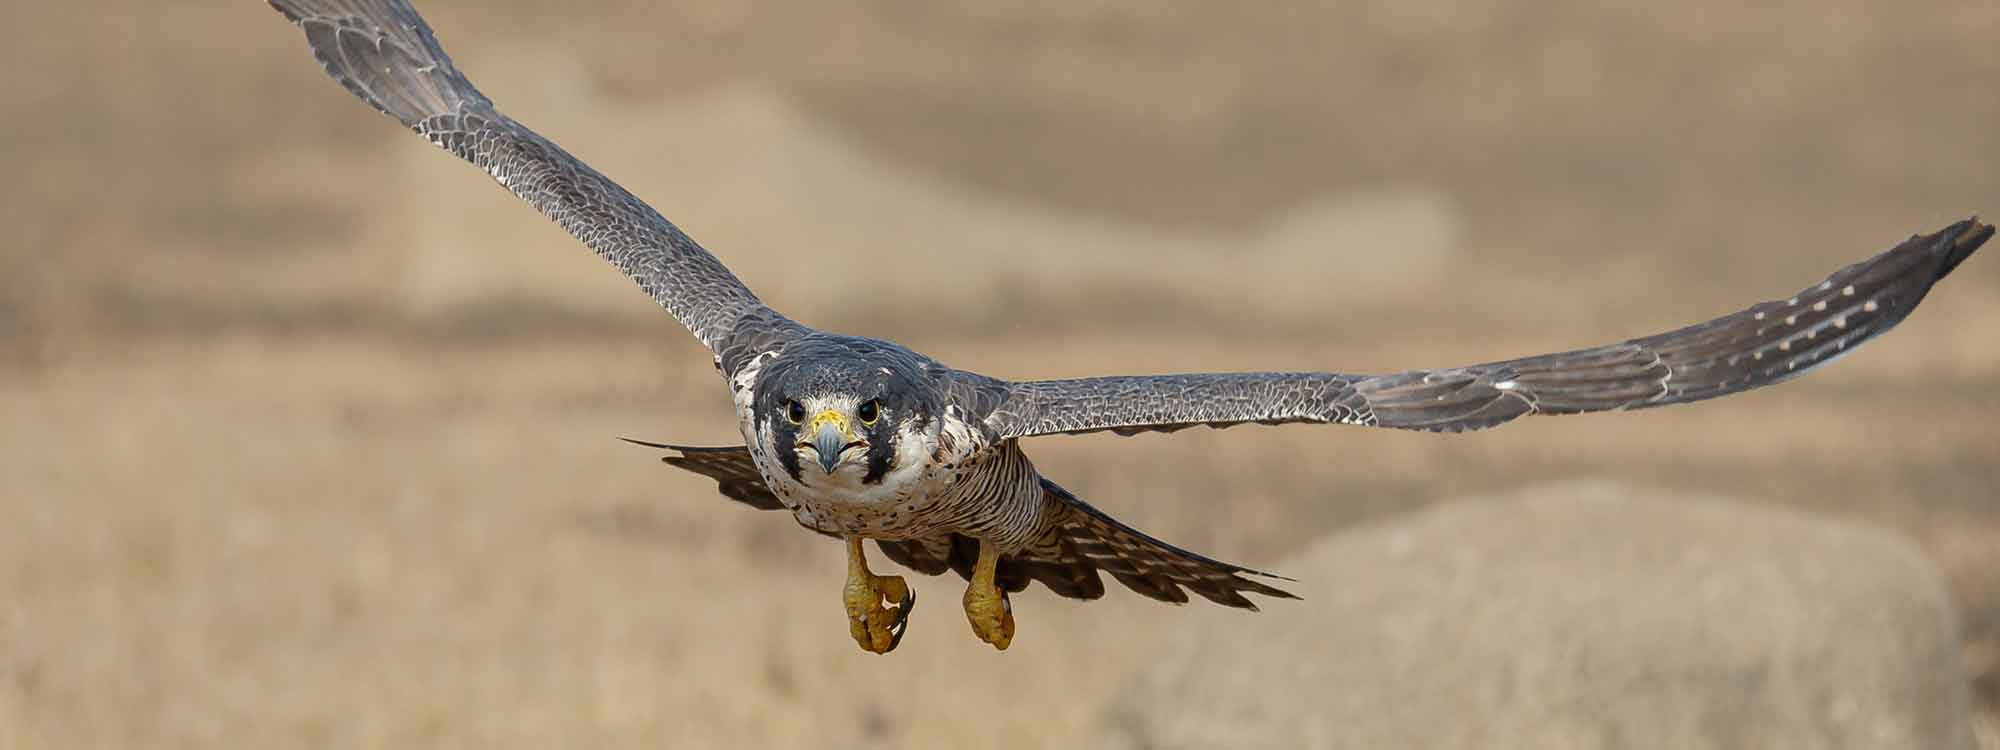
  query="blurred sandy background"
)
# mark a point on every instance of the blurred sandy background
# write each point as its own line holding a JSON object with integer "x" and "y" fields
{"x": 308, "y": 429}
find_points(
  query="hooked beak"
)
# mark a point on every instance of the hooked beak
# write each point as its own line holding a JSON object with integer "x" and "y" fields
{"x": 831, "y": 435}
{"x": 829, "y": 443}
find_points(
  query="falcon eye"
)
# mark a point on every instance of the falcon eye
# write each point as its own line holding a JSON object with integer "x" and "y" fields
{"x": 870, "y": 411}
{"x": 795, "y": 411}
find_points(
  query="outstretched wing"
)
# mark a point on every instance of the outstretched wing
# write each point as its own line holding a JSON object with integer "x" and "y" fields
{"x": 1081, "y": 542}
{"x": 384, "y": 53}
{"x": 1768, "y": 343}
{"x": 734, "y": 472}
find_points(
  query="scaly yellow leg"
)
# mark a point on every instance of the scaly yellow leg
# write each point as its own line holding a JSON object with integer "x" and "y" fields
{"x": 876, "y": 627}
{"x": 992, "y": 615}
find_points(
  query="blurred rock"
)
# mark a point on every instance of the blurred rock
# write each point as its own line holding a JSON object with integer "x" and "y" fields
{"x": 1576, "y": 615}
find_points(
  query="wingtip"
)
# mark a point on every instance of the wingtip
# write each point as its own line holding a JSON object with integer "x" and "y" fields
{"x": 1960, "y": 240}
{"x": 636, "y": 441}
{"x": 1271, "y": 575}
{"x": 1254, "y": 587}
{"x": 283, "y": 8}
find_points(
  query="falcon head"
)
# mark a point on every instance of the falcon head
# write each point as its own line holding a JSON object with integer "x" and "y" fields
{"x": 841, "y": 411}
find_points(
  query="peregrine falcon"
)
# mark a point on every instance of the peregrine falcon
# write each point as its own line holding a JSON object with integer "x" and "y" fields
{"x": 862, "y": 439}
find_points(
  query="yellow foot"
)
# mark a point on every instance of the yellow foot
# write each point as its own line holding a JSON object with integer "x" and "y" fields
{"x": 878, "y": 607}
{"x": 986, "y": 606}
{"x": 992, "y": 616}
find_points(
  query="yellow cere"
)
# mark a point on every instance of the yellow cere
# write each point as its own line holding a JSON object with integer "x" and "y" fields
{"x": 829, "y": 416}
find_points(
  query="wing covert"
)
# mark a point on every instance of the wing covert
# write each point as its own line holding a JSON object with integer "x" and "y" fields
{"x": 383, "y": 52}
{"x": 1765, "y": 344}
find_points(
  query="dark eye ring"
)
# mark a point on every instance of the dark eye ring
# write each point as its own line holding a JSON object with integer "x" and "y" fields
{"x": 795, "y": 411}
{"x": 870, "y": 411}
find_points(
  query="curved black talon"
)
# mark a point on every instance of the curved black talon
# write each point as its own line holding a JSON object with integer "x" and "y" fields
{"x": 897, "y": 628}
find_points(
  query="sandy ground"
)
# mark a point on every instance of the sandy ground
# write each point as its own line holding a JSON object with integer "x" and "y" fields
{"x": 309, "y": 431}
